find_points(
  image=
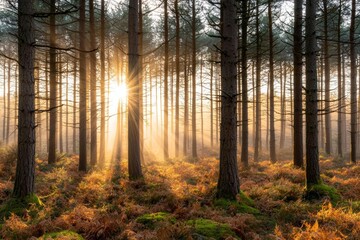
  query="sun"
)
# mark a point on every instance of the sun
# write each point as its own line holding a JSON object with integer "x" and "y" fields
{"x": 118, "y": 96}
{"x": 122, "y": 91}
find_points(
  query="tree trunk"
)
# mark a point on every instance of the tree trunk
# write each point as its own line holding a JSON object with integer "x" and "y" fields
{"x": 102, "y": 85}
{"x": 25, "y": 168}
{"x": 53, "y": 86}
{"x": 244, "y": 81}
{"x": 298, "y": 68}
{"x": 82, "y": 90}
{"x": 228, "y": 183}
{"x": 258, "y": 88}
{"x": 193, "y": 123}
{"x": 327, "y": 83}
{"x": 186, "y": 102}
{"x": 93, "y": 144}
{"x": 166, "y": 75}
{"x": 340, "y": 109}
{"x": 134, "y": 156}
{"x": 271, "y": 69}
{"x": 312, "y": 149}
{"x": 177, "y": 97}
{"x": 353, "y": 84}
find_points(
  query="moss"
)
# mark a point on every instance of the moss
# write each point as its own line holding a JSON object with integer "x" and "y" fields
{"x": 209, "y": 228}
{"x": 62, "y": 235}
{"x": 151, "y": 219}
{"x": 244, "y": 204}
{"x": 319, "y": 191}
{"x": 17, "y": 206}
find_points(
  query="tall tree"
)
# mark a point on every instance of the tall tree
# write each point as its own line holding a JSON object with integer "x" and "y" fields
{"x": 353, "y": 83}
{"x": 228, "y": 183}
{"x": 53, "y": 86}
{"x": 177, "y": 62}
{"x": 327, "y": 81}
{"x": 93, "y": 102}
{"x": 25, "y": 168}
{"x": 102, "y": 84}
{"x": 166, "y": 75}
{"x": 244, "y": 81}
{"x": 271, "y": 85}
{"x": 298, "y": 65}
{"x": 83, "y": 103}
{"x": 312, "y": 148}
{"x": 340, "y": 107}
{"x": 258, "y": 86}
{"x": 134, "y": 163}
{"x": 193, "y": 40}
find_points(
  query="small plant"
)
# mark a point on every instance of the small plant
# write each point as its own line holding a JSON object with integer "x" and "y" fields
{"x": 150, "y": 220}
{"x": 244, "y": 204}
{"x": 209, "y": 228}
{"x": 319, "y": 191}
{"x": 62, "y": 235}
{"x": 26, "y": 206}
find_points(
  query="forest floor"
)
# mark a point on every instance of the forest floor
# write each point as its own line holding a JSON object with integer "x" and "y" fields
{"x": 177, "y": 201}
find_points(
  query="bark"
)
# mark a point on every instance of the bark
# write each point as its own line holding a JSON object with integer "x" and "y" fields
{"x": 228, "y": 183}
{"x": 312, "y": 148}
{"x": 53, "y": 86}
{"x": 166, "y": 75}
{"x": 102, "y": 85}
{"x": 298, "y": 65}
{"x": 327, "y": 82}
{"x": 258, "y": 88}
{"x": 177, "y": 97}
{"x": 25, "y": 168}
{"x": 244, "y": 81}
{"x": 82, "y": 90}
{"x": 134, "y": 156}
{"x": 93, "y": 103}
{"x": 353, "y": 85}
{"x": 339, "y": 114}
{"x": 193, "y": 123}
{"x": 271, "y": 72}
{"x": 186, "y": 103}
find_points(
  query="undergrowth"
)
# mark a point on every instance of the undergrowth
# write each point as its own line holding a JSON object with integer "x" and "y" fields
{"x": 177, "y": 201}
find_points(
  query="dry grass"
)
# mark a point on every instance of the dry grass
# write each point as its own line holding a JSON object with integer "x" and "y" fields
{"x": 103, "y": 204}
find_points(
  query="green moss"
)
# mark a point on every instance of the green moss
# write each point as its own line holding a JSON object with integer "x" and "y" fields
{"x": 209, "y": 228}
{"x": 243, "y": 205}
{"x": 319, "y": 191}
{"x": 30, "y": 203}
{"x": 61, "y": 235}
{"x": 151, "y": 219}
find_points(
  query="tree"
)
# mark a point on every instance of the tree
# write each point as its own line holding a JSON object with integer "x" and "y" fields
{"x": 83, "y": 103}
{"x": 228, "y": 183}
{"x": 25, "y": 168}
{"x": 177, "y": 62}
{"x": 102, "y": 85}
{"x": 271, "y": 85}
{"x": 166, "y": 74}
{"x": 193, "y": 40}
{"x": 327, "y": 81}
{"x": 353, "y": 84}
{"x": 93, "y": 144}
{"x": 340, "y": 107}
{"x": 258, "y": 87}
{"x": 298, "y": 65}
{"x": 53, "y": 86}
{"x": 134, "y": 163}
{"x": 244, "y": 80}
{"x": 312, "y": 148}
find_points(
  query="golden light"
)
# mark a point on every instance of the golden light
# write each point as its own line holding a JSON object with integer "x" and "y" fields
{"x": 118, "y": 95}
